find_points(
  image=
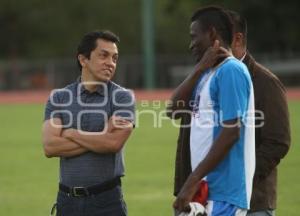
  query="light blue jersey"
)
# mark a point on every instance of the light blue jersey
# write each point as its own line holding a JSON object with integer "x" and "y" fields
{"x": 225, "y": 93}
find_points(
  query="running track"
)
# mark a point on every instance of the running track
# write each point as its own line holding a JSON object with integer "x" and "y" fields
{"x": 40, "y": 97}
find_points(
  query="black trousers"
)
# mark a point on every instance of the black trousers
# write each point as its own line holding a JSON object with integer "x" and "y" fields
{"x": 108, "y": 203}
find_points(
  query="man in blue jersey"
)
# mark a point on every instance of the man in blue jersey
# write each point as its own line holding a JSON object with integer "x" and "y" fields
{"x": 222, "y": 146}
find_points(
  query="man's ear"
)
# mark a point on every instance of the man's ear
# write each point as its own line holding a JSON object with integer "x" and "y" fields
{"x": 213, "y": 34}
{"x": 238, "y": 39}
{"x": 82, "y": 60}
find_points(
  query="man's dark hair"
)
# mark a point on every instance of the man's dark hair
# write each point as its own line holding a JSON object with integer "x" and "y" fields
{"x": 239, "y": 23}
{"x": 88, "y": 43}
{"x": 213, "y": 16}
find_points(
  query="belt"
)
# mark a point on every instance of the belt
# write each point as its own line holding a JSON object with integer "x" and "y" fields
{"x": 90, "y": 190}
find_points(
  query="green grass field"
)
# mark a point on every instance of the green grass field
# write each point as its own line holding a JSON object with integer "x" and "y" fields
{"x": 28, "y": 180}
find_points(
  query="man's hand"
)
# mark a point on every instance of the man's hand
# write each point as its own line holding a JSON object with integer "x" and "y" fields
{"x": 117, "y": 122}
{"x": 67, "y": 133}
{"x": 181, "y": 97}
{"x": 211, "y": 57}
{"x": 186, "y": 194}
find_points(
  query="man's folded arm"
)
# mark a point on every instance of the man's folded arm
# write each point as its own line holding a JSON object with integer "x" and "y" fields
{"x": 55, "y": 145}
{"x": 101, "y": 142}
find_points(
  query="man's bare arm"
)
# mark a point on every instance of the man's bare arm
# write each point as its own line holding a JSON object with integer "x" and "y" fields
{"x": 220, "y": 148}
{"x": 181, "y": 96}
{"x": 55, "y": 145}
{"x": 110, "y": 141}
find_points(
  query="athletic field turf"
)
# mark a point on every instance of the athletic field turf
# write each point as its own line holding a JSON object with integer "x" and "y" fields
{"x": 28, "y": 180}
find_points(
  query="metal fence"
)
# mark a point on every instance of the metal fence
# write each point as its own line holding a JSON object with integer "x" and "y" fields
{"x": 170, "y": 71}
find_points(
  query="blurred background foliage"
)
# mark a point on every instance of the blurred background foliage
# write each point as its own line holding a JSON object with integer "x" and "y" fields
{"x": 47, "y": 29}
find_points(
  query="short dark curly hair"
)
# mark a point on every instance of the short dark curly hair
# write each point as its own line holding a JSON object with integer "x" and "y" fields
{"x": 217, "y": 17}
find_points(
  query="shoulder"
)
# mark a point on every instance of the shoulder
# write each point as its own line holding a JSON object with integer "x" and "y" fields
{"x": 118, "y": 92}
{"x": 112, "y": 86}
{"x": 264, "y": 76}
{"x": 233, "y": 64}
{"x": 232, "y": 67}
{"x": 64, "y": 94}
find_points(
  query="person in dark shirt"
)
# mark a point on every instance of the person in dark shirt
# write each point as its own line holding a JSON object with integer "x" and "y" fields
{"x": 86, "y": 125}
{"x": 272, "y": 135}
